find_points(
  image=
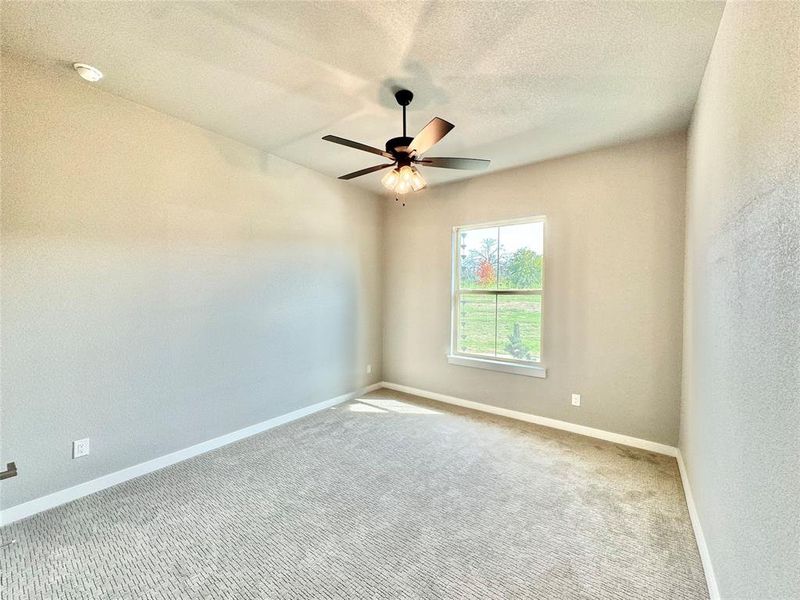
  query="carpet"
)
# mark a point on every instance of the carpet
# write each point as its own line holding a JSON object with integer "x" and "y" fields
{"x": 388, "y": 496}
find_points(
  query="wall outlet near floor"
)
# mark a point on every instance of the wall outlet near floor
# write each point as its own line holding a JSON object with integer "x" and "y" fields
{"x": 576, "y": 399}
{"x": 80, "y": 448}
{"x": 369, "y": 369}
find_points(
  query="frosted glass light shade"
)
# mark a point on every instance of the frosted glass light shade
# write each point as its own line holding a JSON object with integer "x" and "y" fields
{"x": 390, "y": 180}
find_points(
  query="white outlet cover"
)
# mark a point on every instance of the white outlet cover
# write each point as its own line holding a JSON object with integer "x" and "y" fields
{"x": 80, "y": 448}
{"x": 369, "y": 368}
{"x": 576, "y": 399}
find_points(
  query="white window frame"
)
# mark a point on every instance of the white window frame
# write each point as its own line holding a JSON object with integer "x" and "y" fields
{"x": 506, "y": 365}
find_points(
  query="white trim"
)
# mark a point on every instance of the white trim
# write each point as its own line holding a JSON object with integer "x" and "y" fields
{"x": 497, "y": 365}
{"x": 37, "y": 505}
{"x": 502, "y": 222}
{"x": 601, "y": 434}
{"x": 32, "y": 507}
{"x": 702, "y": 547}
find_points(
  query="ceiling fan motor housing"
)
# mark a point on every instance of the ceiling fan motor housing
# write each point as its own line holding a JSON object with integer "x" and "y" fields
{"x": 398, "y": 147}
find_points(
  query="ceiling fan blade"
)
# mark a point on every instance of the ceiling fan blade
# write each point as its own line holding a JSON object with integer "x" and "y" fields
{"x": 355, "y": 174}
{"x": 430, "y": 134}
{"x": 455, "y": 163}
{"x": 357, "y": 145}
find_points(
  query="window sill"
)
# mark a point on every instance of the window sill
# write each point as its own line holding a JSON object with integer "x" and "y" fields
{"x": 496, "y": 365}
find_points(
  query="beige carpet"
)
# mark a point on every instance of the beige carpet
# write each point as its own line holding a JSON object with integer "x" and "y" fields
{"x": 387, "y": 497}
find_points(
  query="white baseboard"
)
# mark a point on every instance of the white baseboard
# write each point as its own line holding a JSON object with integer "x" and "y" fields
{"x": 609, "y": 436}
{"x": 705, "y": 557}
{"x": 37, "y": 505}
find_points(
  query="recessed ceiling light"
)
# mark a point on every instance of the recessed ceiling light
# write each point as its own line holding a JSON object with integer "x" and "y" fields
{"x": 88, "y": 72}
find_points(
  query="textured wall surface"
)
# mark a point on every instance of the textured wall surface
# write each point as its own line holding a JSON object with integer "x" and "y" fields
{"x": 740, "y": 426}
{"x": 162, "y": 285}
{"x": 612, "y": 317}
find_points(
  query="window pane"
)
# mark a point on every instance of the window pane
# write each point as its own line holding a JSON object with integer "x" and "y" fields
{"x": 519, "y": 327}
{"x": 521, "y": 249}
{"x": 478, "y": 258}
{"x": 476, "y": 324}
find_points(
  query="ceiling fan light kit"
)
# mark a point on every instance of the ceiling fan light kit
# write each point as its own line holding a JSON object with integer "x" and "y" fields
{"x": 400, "y": 181}
{"x": 405, "y": 153}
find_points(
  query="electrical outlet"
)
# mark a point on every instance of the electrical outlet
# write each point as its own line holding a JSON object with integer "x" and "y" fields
{"x": 576, "y": 399}
{"x": 369, "y": 369}
{"x": 80, "y": 448}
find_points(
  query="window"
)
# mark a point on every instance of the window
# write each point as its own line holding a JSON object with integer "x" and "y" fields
{"x": 498, "y": 282}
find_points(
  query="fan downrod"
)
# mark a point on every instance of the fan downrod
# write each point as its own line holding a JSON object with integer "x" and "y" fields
{"x": 398, "y": 146}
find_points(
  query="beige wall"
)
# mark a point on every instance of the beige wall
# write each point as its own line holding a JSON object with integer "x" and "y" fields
{"x": 613, "y": 300}
{"x": 740, "y": 425}
{"x": 163, "y": 285}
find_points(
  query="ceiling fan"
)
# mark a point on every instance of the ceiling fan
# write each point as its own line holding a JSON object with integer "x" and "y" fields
{"x": 405, "y": 153}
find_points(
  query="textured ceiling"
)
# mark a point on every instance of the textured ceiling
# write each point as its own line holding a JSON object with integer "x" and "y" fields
{"x": 522, "y": 82}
